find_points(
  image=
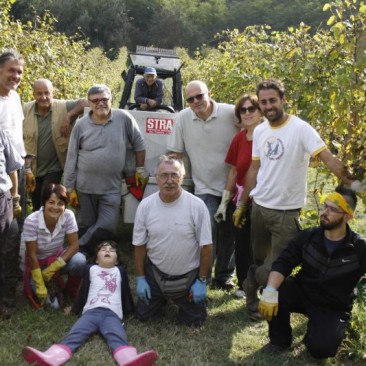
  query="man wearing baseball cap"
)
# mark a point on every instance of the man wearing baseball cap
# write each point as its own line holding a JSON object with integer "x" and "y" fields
{"x": 149, "y": 90}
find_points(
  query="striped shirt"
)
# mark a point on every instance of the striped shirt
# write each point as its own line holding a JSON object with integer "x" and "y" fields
{"x": 48, "y": 243}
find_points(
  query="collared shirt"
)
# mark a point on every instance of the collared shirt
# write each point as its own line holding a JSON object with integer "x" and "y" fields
{"x": 48, "y": 243}
{"x": 10, "y": 161}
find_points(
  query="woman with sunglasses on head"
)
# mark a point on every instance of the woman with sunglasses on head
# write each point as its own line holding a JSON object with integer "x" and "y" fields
{"x": 44, "y": 234}
{"x": 239, "y": 157}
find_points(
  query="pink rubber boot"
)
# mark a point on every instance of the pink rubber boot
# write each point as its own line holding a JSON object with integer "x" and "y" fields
{"x": 56, "y": 355}
{"x": 127, "y": 356}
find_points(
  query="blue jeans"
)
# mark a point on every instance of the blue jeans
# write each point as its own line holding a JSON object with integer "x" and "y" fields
{"x": 223, "y": 240}
{"x": 98, "y": 320}
{"x": 75, "y": 265}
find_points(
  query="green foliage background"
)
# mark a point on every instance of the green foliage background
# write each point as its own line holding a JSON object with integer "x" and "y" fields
{"x": 66, "y": 60}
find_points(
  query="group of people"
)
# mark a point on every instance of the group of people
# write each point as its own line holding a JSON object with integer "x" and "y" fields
{"x": 249, "y": 165}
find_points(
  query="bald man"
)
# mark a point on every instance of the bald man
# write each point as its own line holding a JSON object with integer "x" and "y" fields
{"x": 46, "y": 129}
{"x": 204, "y": 131}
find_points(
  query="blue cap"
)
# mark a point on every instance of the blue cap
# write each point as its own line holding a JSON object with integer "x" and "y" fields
{"x": 150, "y": 70}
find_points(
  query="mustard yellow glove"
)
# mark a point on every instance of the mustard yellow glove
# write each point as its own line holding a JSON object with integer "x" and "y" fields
{"x": 268, "y": 304}
{"x": 41, "y": 291}
{"x": 54, "y": 267}
{"x": 30, "y": 181}
{"x": 239, "y": 216}
{"x": 141, "y": 176}
{"x": 74, "y": 199}
{"x": 17, "y": 209}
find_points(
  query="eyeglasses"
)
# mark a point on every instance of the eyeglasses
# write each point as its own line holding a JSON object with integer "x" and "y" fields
{"x": 98, "y": 100}
{"x": 166, "y": 176}
{"x": 332, "y": 209}
{"x": 250, "y": 109}
{"x": 197, "y": 97}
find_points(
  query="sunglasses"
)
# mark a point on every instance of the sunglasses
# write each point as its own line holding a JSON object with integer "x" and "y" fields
{"x": 250, "y": 109}
{"x": 96, "y": 101}
{"x": 197, "y": 97}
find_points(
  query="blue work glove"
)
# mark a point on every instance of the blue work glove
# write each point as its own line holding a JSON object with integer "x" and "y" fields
{"x": 143, "y": 289}
{"x": 199, "y": 291}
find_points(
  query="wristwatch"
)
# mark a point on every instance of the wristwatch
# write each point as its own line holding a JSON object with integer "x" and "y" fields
{"x": 203, "y": 279}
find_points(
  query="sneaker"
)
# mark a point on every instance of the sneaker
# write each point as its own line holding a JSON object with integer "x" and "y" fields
{"x": 227, "y": 285}
{"x": 271, "y": 348}
{"x": 240, "y": 294}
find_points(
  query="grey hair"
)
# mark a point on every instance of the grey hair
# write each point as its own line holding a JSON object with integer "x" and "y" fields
{"x": 99, "y": 88}
{"x": 10, "y": 55}
{"x": 171, "y": 159}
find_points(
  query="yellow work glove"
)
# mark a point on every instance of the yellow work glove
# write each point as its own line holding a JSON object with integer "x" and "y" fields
{"x": 17, "y": 209}
{"x": 239, "y": 215}
{"x": 141, "y": 176}
{"x": 220, "y": 215}
{"x": 41, "y": 291}
{"x": 30, "y": 181}
{"x": 268, "y": 304}
{"x": 74, "y": 199}
{"x": 54, "y": 267}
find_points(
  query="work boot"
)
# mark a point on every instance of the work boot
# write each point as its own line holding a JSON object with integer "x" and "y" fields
{"x": 56, "y": 355}
{"x": 128, "y": 356}
{"x": 250, "y": 287}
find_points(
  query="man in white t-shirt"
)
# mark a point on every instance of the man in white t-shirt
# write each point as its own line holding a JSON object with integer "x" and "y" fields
{"x": 276, "y": 181}
{"x": 204, "y": 131}
{"x": 11, "y": 121}
{"x": 173, "y": 248}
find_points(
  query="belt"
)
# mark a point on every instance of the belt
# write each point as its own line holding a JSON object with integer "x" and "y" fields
{"x": 166, "y": 277}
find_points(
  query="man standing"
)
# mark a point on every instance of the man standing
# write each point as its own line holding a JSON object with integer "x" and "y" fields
{"x": 276, "y": 181}
{"x": 173, "y": 248}
{"x": 94, "y": 165}
{"x": 10, "y": 162}
{"x": 149, "y": 90}
{"x": 332, "y": 259}
{"x": 43, "y": 120}
{"x": 205, "y": 131}
{"x": 11, "y": 121}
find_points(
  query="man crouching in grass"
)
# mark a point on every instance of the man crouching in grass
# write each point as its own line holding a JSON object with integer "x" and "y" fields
{"x": 173, "y": 248}
{"x": 332, "y": 259}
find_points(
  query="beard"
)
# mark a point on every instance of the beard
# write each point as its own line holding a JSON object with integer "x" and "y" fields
{"x": 326, "y": 224}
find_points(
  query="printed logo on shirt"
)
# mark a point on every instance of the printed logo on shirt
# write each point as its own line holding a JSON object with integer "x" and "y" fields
{"x": 108, "y": 289}
{"x": 159, "y": 126}
{"x": 274, "y": 148}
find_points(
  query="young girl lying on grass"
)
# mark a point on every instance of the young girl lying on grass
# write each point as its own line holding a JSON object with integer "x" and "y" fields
{"x": 104, "y": 298}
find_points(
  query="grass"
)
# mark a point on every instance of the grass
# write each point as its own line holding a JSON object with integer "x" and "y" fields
{"x": 227, "y": 338}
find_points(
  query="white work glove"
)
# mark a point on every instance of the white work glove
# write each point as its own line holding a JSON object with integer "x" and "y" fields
{"x": 268, "y": 304}
{"x": 220, "y": 215}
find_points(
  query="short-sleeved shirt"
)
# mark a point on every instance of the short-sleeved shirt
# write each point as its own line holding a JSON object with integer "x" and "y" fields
{"x": 206, "y": 143}
{"x": 284, "y": 153}
{"x": 105, "y": 290}
{"x": 173, "y": 232}
{"x": 240, "y": 155}
{"x": 48, "y": 243}
{"x": 11, "y": 120}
